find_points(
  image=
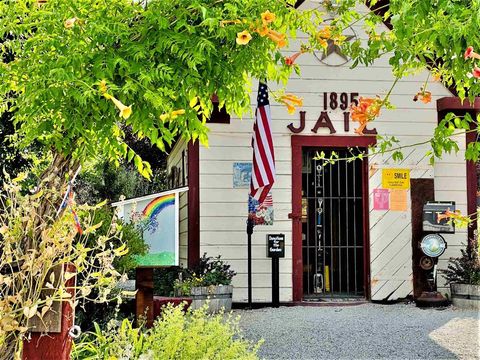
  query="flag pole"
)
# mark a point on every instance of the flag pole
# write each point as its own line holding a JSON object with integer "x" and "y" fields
{"x": 249, "y": 260}
{"x": 263, "y": 170}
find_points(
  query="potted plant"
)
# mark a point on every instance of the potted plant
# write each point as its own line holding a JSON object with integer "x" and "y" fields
{"x": 463, "y": 275}
{"x": 208, "y": 283}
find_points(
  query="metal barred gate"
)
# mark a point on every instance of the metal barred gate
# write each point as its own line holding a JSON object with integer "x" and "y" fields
{"x": 332, "y": 226}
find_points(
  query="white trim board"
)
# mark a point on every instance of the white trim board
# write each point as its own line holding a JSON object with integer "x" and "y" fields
{"x": 147, "y": 197}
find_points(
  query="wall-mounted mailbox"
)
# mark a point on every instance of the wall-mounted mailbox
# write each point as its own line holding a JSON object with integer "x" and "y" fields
{"x": 436, "y": 219}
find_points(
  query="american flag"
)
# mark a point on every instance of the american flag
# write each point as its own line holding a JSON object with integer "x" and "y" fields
{"x": 263, "y": 170}
{"x": 268, "y": 202}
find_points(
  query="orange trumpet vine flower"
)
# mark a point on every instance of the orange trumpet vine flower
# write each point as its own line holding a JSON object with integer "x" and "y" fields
{"x": 268, "y": 17}
{"x": 277, "y": 37}
{"x": 469, "y": 53}
{"x": 69, "y": 23}
{"x": 455, "y": 215}
{"x": 282, "y": 43}
{"x": 423, "y": 96}
{"x": 125, "y": 111}
{"x": 291, "y": 59}
{"x": 262, "y": 31}
{"x": 291, "y": 101}
{"x": 366, "y": 110}
{"x": 243, "y": 38}
{"x": 325, "y": 33}
{"x": 476, "y": 72}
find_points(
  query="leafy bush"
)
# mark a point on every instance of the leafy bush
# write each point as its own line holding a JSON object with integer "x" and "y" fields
{"x": 209, "y": 271}
{"x": 131, "y": 237}
{"x": 214, "y": 271}
{"x": 465, "y": 269}
{"x": 176, "y": 335}
{"x": 184, "y": 287}
{"x": 107, "y": 181}
{"x": 33, "y": 247}
{"x": 164, "y": 280}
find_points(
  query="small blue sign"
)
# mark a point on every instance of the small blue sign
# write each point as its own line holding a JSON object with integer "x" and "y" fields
{"x": 242, "y": 172}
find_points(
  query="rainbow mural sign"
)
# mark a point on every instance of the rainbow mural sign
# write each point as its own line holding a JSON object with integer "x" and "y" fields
{"x": 157, "y": 217}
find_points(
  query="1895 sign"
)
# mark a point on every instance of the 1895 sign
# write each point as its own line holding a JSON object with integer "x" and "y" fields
{"x": 332, "y": 101}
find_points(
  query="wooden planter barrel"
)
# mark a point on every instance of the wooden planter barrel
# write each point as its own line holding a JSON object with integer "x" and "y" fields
{"x": 465, "y": 296}
{"x": 218, "y": 297}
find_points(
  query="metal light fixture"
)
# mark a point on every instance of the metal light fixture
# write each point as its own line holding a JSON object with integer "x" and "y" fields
{"x": 433, "y": 245}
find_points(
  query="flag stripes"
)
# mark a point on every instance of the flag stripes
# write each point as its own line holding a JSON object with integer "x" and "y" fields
{"x": 263, "y": 169}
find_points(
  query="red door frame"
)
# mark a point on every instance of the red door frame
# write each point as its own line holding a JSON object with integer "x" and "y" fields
{"x": 298, "y": 143}
{"x": 454, "y": 104}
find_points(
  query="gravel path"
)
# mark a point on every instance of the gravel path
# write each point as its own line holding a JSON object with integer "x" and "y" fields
{"x": 368, "y": 331}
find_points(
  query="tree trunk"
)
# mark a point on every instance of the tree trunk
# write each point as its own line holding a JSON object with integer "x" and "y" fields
{"x": 53, "y": 183}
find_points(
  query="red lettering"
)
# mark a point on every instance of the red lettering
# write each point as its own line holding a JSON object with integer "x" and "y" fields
{"x": 302, "y": 124}
{"x": 325, "y": 122}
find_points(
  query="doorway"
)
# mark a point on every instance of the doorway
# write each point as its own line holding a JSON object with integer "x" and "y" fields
{"x": 309, "y": 256}
{"x": 332, "y": 225}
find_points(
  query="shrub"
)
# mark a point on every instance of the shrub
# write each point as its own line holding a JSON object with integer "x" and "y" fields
{"x": 214, "y": 271}
{"x": 176, "y": 335}
{"x": 132, "y": 238}
{"x": 33, "y": 246}
{"x": 128, "y": 235}
{"x": 164, "y": 280}
{"x": 464, "y": 269}
{"x": 209, "y": 271}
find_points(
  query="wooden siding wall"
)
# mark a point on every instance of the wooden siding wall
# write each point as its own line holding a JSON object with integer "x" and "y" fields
{"x": 223, "y": 208}
{"x": 175, "y": 159}
{"x": 451, "y": 185}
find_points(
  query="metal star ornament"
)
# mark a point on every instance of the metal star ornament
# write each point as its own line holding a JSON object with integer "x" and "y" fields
{"x": 334, "y": 48}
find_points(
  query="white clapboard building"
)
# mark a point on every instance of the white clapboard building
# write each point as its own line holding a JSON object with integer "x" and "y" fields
{"x": 347, "y": 233}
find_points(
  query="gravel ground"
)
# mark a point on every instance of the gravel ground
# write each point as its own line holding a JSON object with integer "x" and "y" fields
{"x": 369, "y": 331}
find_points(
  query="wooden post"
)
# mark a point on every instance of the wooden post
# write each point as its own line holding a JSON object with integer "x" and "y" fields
{"x": 144, "y": 297}
{"x": 421, "y": 190}
{"x": 54, "y": 345}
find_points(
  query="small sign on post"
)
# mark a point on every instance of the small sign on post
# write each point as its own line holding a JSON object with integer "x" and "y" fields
{"x": 276, "y": 245}
{"x": 275, "y": 250}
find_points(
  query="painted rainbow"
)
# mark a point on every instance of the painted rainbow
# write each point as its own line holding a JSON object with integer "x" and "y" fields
{"x": 156, "y": 206}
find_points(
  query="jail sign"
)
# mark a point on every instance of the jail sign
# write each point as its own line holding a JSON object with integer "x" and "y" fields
{"x": 276, "y": 245}
{"x": 396, "y": 179}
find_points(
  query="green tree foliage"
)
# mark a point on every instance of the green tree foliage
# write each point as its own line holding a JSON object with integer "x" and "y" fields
{"x": 107, "y": 182}
{"x": 163, "y": 62}
{"x": 423, "y": 34}
{"x": 432, "y": 34}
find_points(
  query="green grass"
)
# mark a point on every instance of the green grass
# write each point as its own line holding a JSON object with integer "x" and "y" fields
{"x": 165, "y": 258}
